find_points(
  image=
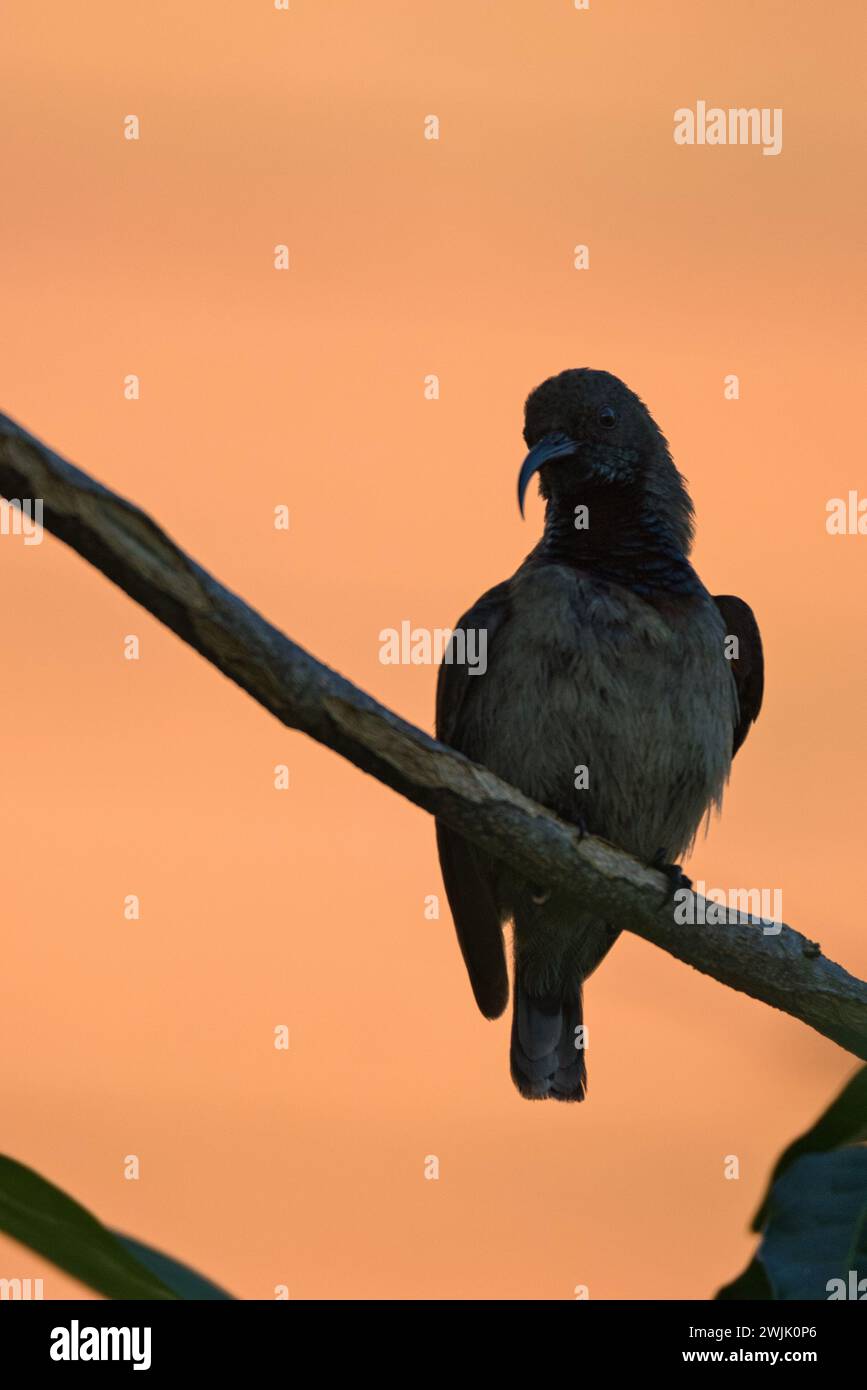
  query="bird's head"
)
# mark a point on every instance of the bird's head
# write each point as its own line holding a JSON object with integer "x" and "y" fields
{"x": 590, "y": 437}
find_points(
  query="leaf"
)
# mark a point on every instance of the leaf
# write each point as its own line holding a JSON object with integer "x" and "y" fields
{"x": 842, "y": 1125}
{"x": 844, "y": 1122}
{"x": 816, "y": 1232}
{"x": 750, "y": 1286}
{"x": 817, "y": 1222}
{"x": 185, "y": 1282}
{"x": 41, "y": 1216}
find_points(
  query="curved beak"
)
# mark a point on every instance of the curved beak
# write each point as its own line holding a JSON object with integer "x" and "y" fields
{"x": 553, "y": 446}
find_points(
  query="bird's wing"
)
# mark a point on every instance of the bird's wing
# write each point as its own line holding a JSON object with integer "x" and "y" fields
{"x": 469, "y": 890}
{"x": 748, "y": 667}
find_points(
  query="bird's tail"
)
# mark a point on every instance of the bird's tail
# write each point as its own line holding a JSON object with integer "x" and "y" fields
{"x": 547, "y": 1053}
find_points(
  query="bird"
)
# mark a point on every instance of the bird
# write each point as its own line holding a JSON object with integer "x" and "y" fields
{"x": 616, "y": 694}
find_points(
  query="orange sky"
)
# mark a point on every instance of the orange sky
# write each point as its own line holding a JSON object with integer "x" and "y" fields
{"x": 306, "y": 907}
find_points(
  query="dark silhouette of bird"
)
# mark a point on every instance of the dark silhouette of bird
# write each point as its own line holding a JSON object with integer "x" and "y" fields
{"x": 605, "y": 652}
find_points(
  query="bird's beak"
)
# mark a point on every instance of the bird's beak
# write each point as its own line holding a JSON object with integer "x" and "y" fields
{"x": 553, "y": 446}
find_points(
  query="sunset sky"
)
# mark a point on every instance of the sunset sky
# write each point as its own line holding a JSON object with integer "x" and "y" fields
{"x": 305, "y": 387}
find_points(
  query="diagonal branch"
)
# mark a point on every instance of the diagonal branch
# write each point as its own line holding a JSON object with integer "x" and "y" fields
{"x": 786, "y": 970}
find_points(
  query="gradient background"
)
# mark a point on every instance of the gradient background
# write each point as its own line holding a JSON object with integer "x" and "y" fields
{"x": 305, "y": 907}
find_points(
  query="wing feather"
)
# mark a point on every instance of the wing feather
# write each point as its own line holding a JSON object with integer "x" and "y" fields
{"x": 748, "y": 666}
{"x": 468, "y": 887}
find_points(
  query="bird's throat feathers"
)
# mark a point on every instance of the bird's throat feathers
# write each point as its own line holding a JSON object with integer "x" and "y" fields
{"x": 624, "y": 534}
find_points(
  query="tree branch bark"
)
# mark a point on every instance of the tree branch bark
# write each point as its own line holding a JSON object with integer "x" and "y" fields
{"x": 786, "y": 970}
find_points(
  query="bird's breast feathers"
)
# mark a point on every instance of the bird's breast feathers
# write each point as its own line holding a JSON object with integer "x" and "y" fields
{"x": 609, "y": 709}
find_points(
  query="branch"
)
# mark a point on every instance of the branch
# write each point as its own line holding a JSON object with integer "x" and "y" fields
{"x": 786, "y": 970}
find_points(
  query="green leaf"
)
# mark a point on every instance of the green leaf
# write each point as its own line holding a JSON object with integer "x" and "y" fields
{"x": 41, "y": 1216}
{"x": 789, "y": 1211}
{"x": 815, "y": 1239}
{"x": 751, "y": 1286}
{"x": 185, "y": 1282}
{"x": 816, "y": 1224}
{"x": 844, "y": 1122}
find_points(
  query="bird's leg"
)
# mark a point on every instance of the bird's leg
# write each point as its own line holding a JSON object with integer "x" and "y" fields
{"x": 539, "y": 896}
{"x": 677, "y": 879}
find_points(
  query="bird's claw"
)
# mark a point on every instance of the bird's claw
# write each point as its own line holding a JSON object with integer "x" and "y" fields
{"x": 677, "y": 879}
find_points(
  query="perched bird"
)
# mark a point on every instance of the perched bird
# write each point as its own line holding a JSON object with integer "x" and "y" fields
{"x": 605, "y": 652}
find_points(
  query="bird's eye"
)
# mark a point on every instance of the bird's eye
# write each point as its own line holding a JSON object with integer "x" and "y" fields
{"x": 607, "y": 417}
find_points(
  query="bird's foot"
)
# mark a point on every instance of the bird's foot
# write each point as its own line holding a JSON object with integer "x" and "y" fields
{"x": 677, "y": 879}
